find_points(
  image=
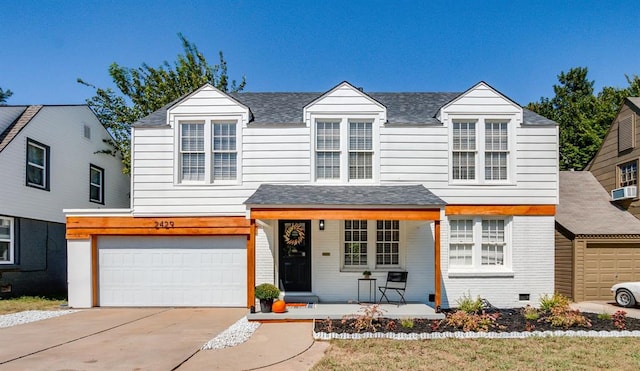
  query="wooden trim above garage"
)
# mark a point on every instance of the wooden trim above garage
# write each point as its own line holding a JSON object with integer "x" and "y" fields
{"x": 506, "y": 210}
{"x": 81, "y": 227}
{"x": 346, "y": 214}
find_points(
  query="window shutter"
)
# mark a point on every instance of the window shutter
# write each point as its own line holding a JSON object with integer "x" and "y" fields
{"x": 626, "y": 135}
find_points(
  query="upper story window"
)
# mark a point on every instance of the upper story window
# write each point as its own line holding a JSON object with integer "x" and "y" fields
{"x": 628, "y": 174}
{"x": 480, "y": 151}
{"x": 208, "y": 151}
{"x": 37, "y": 165}
{"x": 626, "y": 133}
{"x": 477, "y": 243}
{"x": 328, "y": 150}
{"x": 6, "y": 240}
{"x": 344, "y": 150}
{"x": 96, "y": 184}
{"x": 360, "y": 150}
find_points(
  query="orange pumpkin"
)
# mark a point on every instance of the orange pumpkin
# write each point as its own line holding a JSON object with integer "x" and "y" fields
{"x": 279, "y": 306}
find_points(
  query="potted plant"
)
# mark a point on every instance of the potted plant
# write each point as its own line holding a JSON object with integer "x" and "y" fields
{"x": 266, "y": 293}
{"x": 366, "y": 274}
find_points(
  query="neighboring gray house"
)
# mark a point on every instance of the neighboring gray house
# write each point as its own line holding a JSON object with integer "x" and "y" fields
{"x": 49, "y": 160}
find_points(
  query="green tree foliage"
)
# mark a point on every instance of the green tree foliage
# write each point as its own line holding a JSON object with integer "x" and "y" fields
{"x": 4, "y": 95}
{"x": 143, "y": 90}
{"x": 584, "y": 117}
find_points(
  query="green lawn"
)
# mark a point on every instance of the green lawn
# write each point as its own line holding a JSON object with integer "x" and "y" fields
{"x": 560, "y": 353}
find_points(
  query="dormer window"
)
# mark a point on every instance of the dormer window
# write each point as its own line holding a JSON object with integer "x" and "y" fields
{"x": 208, "y": 152}
{"x": 344, "y": 150}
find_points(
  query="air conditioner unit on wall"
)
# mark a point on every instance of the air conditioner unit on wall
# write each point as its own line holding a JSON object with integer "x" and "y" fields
{"x": 624, "y": 193}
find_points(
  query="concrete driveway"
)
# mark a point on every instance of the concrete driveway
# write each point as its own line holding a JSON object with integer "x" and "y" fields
{"x": 605, "y": 306}
{"x": 114, "y": 339}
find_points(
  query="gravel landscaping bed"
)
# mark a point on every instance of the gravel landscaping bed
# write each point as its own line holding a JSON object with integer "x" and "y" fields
{"x": 13, "y": 319}
{"x": 236, "y": 334}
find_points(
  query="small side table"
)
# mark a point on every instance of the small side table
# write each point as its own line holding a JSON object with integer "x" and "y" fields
{"x": 372, "y": 289}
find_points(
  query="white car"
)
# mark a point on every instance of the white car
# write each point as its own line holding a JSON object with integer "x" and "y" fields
{"x": 627, "y": 294}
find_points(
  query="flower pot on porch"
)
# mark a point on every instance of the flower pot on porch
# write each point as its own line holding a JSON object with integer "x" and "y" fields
{"x": 265, "y": 305}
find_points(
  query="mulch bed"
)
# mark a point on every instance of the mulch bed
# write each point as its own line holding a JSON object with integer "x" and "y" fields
{"x": 508, "y": 320}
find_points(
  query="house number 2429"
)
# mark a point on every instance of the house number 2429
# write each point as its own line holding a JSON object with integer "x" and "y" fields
{"x": 166, "y": 224}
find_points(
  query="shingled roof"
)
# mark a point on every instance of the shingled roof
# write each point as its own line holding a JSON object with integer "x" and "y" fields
{"x": 311, "y": 195}
{"x": 287, "y": 108}
{"x": 13, "y": 119}
{"x": 585, "y": 208}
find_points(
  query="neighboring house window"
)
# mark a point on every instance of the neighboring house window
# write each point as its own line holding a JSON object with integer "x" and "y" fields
{"x": 496, "y": 150}
{"x": 477, "y": 243}
{"x": 225, "y": 157}
{"x": 192, "y": 156}
{"x": 6, "y": 240}
{"x": 327, "y": 150}
{"x": 628, "y": 174}
{"x": 360, "y": 150}
{"x": 387, "y": 242}
{"x": 96, "y": 184}
{"x": 355, "y": 243}
{"x": 37, "y": 165}
{"x": 464, "y": 150}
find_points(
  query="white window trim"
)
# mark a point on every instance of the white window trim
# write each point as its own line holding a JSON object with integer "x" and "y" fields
{"x": 344, "y": 147}
{"x": 11, "y": 240}
{"x": 480, "y": 149}
{"x": 208, "y": 146}
{"x": 476, "y": 267}
{"x": 372, "y": 250}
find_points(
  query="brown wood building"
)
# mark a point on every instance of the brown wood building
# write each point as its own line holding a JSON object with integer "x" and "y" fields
{"x": 615, "y": 165}
{"x": 597, "y": 243}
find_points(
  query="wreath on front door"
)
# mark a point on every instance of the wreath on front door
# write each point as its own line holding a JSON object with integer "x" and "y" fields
{"x": 294, "y": 235}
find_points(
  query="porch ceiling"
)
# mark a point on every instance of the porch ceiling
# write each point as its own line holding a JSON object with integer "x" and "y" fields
{"x": 411, "y": 202}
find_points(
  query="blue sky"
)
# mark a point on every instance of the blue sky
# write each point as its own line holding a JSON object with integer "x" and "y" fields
{"x": 518, "y": 47}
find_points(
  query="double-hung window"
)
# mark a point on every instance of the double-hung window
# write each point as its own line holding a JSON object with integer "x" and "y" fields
{"x": 225, "y": 157}
{"x": 358, "y": 233}
{"x": 37, "y": 165}
{"x": 208, "y": 151}
{"x": 344, "y": 150}
{"x": 478, "y": 244}
{"x": 327, "y": 150}
{"x": 496, "y": 150}
{"x": 480, "y": 150}
{"x": 96, "y": 184}
{"x": 464, "y": 150}
{"x": 360, "y": 150}
{"x": 355, "y": 243}
{"x": 6, "y": 240}
{"x": 192, "y": 155}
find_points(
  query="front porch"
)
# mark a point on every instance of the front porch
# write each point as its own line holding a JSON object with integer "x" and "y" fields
{"x": 320, "y": 311}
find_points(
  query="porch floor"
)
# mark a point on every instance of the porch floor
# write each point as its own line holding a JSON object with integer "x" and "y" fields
{"x": 339, "y": 310}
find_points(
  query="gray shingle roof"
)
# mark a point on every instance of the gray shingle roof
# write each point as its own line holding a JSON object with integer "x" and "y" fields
{"x": 286, "y": 108}
{"x": 8, "y": 115}
{"x": 306, "y": 195}
{"x": 586, "y": 209}
{"x": 635, "y": 101}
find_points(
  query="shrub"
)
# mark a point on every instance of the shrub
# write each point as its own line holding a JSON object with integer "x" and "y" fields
{"x": 473, "y": 321}
{"x": 391, "y": 325}
{"x": 367, "y": 318}
{"x": 604, "y": 316}
{"x": 556, "y": 300}
{"x": 267, "y": 291}
{"x": 620, "y": 319}
{"x": 563, "y": 316}
{"x": 406, "y": 323}
{"x": 468, "y": 305}
{"x": 530, "y": 313}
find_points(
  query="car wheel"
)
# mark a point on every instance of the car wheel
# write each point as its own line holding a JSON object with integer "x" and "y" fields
{"x": 624, "y": 298}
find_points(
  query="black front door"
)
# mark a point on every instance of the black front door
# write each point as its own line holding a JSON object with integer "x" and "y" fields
{"x": 295, "y": 254}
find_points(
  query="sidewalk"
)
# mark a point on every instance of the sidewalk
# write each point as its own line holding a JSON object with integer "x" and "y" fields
{"x": 274, "y": 346}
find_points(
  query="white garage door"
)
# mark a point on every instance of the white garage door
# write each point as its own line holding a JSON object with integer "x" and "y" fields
{"x": 172, "y": 271}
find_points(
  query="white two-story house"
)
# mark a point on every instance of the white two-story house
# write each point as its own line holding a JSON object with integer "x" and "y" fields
{"x": 308, "y": 190}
